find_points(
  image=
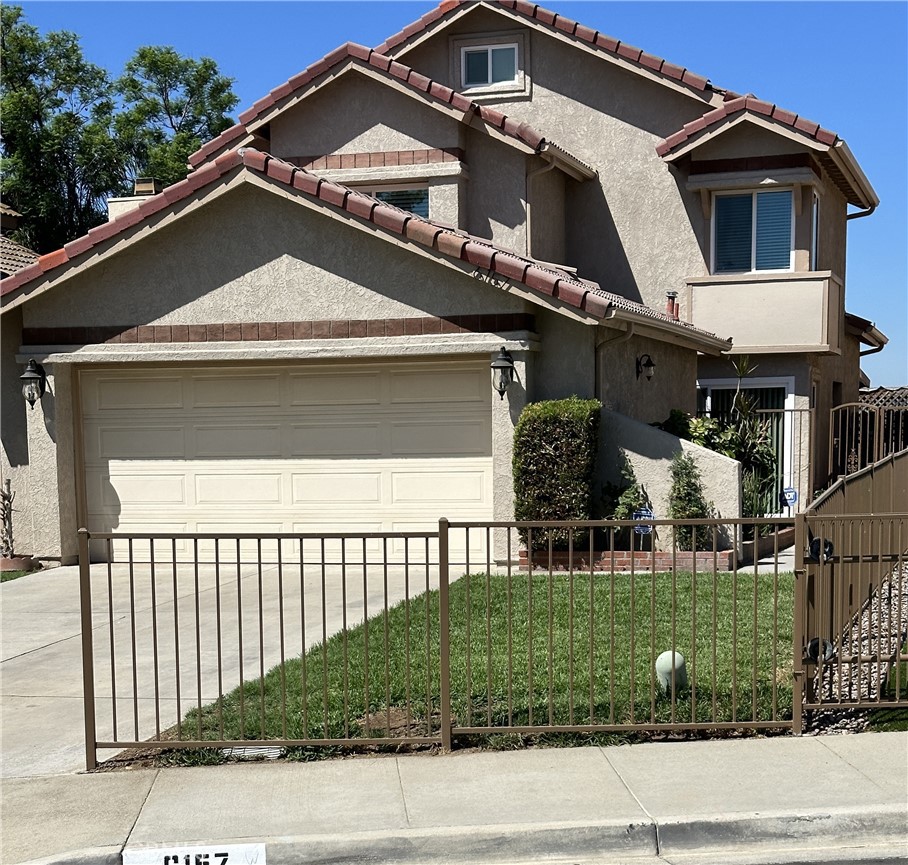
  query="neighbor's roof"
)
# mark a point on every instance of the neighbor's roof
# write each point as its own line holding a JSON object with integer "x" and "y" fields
{"x": 418, "y": 85}
{"x": 559, "y": 24}
{"x": 13, "y": 256}
{"x": 833, "y": 153}
{"x": 543, "y": 280}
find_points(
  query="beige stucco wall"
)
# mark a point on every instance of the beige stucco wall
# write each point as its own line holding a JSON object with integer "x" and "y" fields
{"x": 547, "y": 214}
{"x": 645, "y": 400}
{"x": 746, "y": 139}
{"x": 357, "y": 114}
{"x": 650, "y": 452}
{"x": 13, "y": 430}
{"x": 254, "y": 256}
{"x": 496, "y": 191}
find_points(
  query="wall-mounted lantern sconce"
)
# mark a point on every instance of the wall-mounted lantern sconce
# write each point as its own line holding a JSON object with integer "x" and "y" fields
{"x": 645, "y": 367}
{"x": 34, "y": 382}
{"x": 502, "y": 372}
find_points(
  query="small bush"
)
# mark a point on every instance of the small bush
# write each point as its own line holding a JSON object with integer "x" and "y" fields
{"x": 687, "y": 501}
{"x": 555, "y": 446}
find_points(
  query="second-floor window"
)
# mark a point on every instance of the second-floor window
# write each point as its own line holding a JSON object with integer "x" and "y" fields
{"x": 488, "y": 65}
{"x": 753, "y": 231}
{"x": 412, "y": 198}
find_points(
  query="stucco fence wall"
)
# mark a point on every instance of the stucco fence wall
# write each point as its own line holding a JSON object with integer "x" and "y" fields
{"x": 650, "y": 450}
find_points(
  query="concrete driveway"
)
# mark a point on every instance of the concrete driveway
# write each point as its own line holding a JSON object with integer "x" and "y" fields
{"x": 176, "y": 645}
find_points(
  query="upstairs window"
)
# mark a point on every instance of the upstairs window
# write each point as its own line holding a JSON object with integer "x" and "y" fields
{"x": 413, "y": 200}
{"x": 753, "y": 231}
{"x": 408, "y": 196}
{"x": 488, "y": 65}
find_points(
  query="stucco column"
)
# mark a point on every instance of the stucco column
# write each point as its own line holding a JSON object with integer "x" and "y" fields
{"x": 51, "y": 476}
{"x": 505, "y": 414}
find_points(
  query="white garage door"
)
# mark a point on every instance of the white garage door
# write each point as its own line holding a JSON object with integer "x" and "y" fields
{"x": 305, "y": 448}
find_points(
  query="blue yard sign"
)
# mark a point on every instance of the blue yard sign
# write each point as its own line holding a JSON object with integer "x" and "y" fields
{"x": 791, "y": 496}
{"x": 643, "y": 514}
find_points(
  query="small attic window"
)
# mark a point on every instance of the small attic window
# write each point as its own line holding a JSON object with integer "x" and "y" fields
{"x": 486, "y": 65}
{"x": 490, "y": 64}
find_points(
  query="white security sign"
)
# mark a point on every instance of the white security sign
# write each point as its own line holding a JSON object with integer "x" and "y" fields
{"x": 209, "y": 854}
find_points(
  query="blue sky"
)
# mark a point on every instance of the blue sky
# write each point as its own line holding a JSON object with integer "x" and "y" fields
{"x": 842, "y": 64}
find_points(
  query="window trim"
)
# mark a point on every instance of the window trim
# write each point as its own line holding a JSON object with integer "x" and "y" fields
{"x": 752, "y": 192}
{"x": 489, "y": 84}
{"x": 459, "y": 44}
{"x": 374, "y": 188}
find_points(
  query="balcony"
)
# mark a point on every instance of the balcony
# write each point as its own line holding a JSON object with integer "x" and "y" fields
{"x": 770, "y": 313}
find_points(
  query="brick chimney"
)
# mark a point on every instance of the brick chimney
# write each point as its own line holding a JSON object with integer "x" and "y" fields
{"x": 671, "y": 304}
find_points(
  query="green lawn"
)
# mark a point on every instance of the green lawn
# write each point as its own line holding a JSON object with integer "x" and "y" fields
{"x": 6, "y": 576}
{"x": 544, "y": 641}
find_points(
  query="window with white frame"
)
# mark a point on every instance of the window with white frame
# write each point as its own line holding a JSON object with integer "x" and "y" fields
{"x": 410, "y": 197}
{"x": 488, "y": 65}
{"x": 753, "y": 231}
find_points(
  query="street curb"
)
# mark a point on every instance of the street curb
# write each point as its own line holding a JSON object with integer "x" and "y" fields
{"x": 108, "y": 855}
{"x": 879, "y": 825}
{"x": 754, "y": 838}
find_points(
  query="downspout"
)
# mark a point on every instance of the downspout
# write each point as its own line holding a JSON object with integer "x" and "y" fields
{"x": 530, "y": 175}
{"x": 871, "y": 351}
{"x": 859, "y": 214}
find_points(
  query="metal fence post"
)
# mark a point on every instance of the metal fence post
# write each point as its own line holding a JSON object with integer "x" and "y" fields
{"x": 444, "y": 623}
{"x": 88, "y": 666}
{"x": 799, "y": 681}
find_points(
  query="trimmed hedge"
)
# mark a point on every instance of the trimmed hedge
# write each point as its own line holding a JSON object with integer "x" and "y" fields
{"x": 555, "y": 447}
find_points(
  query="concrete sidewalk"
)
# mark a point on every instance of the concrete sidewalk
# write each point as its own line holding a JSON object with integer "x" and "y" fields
{"x": 782, "y": 799}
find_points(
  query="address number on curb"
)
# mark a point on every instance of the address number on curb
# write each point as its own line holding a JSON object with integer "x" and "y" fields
{"x": 215, "y": 854}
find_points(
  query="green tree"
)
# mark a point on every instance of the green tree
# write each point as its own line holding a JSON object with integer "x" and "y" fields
{"x": 687, "y": 501}
{"x": 172, "y": 105}
{"x": 72, "y": 137}
{"x": 60, "y": 159}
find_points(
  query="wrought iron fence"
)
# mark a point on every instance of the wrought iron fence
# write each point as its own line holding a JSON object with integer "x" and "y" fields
{"x": 861, "y": 435}
{"x": 851, "y": 620}
{"x": 294, "y": 641}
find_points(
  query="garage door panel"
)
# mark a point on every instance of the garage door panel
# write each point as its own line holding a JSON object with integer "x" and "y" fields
{"x": 248, "y": 488}
{"x": 322, "y": 487}
{"x": 127, "y": 490}
{"x": 443, "y": 437}
{"x": 335, "y": 389}
{"x": 136, "y": 392}
{"x": 234, "y": 440}
{"x": 233, "y": 391}
{"x": 124, "y": 442}
{"x": 439, "y": 386}
{"x": 335, "y": 439}
{"x": 452, "y": 486}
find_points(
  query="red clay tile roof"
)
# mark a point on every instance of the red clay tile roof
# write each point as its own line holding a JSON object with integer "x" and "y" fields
{"x": 542, "y": 278}
{"x": 554, "y": 21}
{"x": 751, "y": 105}
{"x": 522, "y": 132}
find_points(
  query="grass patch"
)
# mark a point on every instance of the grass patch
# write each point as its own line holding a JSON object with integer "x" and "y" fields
{"x": 6, "y": 576}
{"x": 520, "y": 646}
{"x": 886, "y": 720}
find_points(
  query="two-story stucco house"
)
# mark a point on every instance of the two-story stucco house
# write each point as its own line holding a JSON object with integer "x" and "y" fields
{"x": 299, "y": 335}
